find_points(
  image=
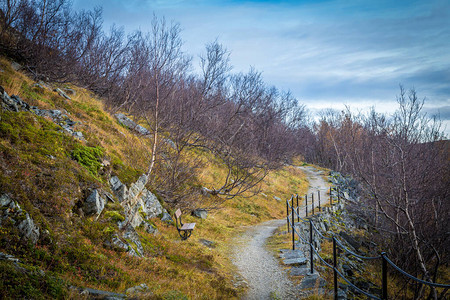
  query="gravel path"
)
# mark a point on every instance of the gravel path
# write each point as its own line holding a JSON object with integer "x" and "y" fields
{"x": 265, "y": 277}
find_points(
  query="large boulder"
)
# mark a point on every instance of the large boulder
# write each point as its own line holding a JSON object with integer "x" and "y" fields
{"x": 151, "y": 206}
{"x": 94, "y": 203}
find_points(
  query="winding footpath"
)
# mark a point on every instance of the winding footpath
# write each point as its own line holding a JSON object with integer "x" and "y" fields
{"x": 265, "y": 277}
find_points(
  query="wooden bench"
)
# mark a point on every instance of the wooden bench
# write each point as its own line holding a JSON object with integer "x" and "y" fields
{"x": 185, "y": 230}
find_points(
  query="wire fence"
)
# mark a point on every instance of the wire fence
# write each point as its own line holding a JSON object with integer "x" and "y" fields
{"x": 293, "y": 212}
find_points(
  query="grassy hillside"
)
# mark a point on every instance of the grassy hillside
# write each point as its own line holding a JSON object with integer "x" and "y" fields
{"x": 49, "y": 173}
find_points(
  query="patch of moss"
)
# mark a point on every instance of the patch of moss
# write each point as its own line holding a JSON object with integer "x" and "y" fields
{"x": 114, "y": 216}
{"x": 88, "y": 157}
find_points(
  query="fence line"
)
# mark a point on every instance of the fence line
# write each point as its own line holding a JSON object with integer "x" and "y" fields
{"x": 383, "y": 256}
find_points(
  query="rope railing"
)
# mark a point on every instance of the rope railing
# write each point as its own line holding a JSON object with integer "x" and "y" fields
{"x": 356, "y": 255}
{"x": 433, "y": 284}
{"x": 295, "y": 212}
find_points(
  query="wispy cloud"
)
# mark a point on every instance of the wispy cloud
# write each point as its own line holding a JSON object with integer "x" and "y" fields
{"x": 323, "y": 51}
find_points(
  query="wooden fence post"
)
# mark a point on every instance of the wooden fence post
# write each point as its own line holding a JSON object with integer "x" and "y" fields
{"x": 293, "y": 224}
{"x": 318, "y": 194}
{"x": 331, "y": 199}
{"x": 335, "y": 269}
{"x": 306, "y": 201}
{"x": 311, "y": 250}
{"x": 287, "y": 214}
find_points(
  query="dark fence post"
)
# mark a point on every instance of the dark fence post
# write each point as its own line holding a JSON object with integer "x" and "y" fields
{"x": 306, "y": 201}
{"x": 298, "y": 211}
{"x": 293, "y": 224}
{"x": 384, "y": 276}
{"x": 318, "y": 194}
{"x": 335, "y": 269}
{"x": 339, "y": 195}
{"x": 331, "y": 199}
{"x": 311, "y": 251}
{"x": 312, "y": 199}
{"x": 287, "y": 214}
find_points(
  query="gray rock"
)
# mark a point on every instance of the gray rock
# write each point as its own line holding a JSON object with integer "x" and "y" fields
{"x": 292, "y": 254}
{"x": 142, "y": 288}
{"x": 119, "y": 189}
{"x": 127, "y": 122}
{"x": 151, "y": 206}
{"x": 4, "y": 256}
{"x": 117, "y": 244}
{"x": 150, "y": 228}
{"x": 62, "y": 94}
{"x": 55, "y": 113}
{"x": 295, "y": 261}
{"x": 299, "y": 271}
{"x": 141, "y": 130}
{"x": 11, "y": 210}
{"x": 98, "y": 294}
{"x": 115, "y": 183}
{"x": 5, "y": 201}
{"x": 16, "y": 66}
{"x": 137, "y": 187}
{"x": 124, "y": 120}
{"x": 209, "y": 244}
{"x": 132, "y": 237}
{"x": 312, "y": 281}
{"x": 28, "y": 229}
{"x": 200, "y": 213}
{"x": 166, "y": 217}
{"x": 69, "y": 91}
{"x": 94, "y": 204}
{"x": 78, "y": 135}
{"x": 277, "y": 198}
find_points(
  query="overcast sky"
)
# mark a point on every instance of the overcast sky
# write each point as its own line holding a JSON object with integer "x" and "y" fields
{"x": 328, "y": 53}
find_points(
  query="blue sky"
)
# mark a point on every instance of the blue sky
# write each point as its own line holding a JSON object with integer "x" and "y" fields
{"x": 328, "y": 53}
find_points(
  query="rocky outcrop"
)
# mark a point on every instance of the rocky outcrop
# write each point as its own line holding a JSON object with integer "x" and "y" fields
{"x": 94, "y": 203}
{"x": 127, "y": 122}
{"x": 12, "y": 213}
{"x": 15, "y": 103}
{"x": 140, "y": 205}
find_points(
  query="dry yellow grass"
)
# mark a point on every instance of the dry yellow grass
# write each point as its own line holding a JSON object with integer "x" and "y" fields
{"x": 170, "y": 265}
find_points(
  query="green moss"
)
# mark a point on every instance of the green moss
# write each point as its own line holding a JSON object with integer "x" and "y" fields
{"x": 127, "y": 174}
{"x": 114, "y": 216}
{"x": 88, "y": 157}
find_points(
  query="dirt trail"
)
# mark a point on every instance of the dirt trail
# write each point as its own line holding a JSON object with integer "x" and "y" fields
{"x": 316, "y": 183}
{"x": 265, "y": 277}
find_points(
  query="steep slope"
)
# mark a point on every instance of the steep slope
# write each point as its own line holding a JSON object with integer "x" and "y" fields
{"x": 75, "y": 211}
